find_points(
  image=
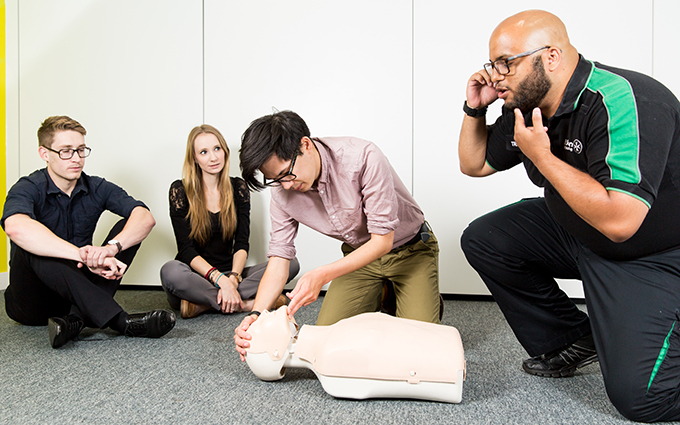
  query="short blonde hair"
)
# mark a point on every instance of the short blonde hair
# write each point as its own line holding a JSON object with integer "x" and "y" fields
{"x": 54, "y": 124}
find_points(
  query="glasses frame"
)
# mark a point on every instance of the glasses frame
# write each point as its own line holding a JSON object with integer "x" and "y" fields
{"x": 62, "y": 152}
{"x": 489, "y": 67}
{"x": 284, "y": 178}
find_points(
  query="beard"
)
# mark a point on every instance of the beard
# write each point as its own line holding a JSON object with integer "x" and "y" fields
{"x": 531, "y": 90}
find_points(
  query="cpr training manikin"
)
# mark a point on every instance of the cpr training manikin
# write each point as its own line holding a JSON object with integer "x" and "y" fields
{"x": 371, "y": 355}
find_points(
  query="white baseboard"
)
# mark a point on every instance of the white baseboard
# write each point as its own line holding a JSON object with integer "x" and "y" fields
{"x": 4, "y": 282}
{"x": 573, "y": 288}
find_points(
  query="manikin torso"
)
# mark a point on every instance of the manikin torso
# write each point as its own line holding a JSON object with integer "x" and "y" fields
{"x": 366, "y": 356}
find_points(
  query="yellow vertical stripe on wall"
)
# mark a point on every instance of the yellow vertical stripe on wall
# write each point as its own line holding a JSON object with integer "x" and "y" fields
{"x": 3, "y": 135}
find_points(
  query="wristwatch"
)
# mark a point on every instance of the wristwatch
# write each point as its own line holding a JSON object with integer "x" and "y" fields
{"x": 117, "y": 244}
{"x": 238, "y": 276}
{"x": 472, "y": 112}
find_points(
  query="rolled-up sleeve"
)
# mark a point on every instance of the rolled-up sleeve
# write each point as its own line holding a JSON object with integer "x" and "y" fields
{"x": 283, "y": 233}
{"x": 379, "y": 197}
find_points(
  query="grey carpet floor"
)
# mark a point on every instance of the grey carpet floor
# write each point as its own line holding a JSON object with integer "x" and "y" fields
{"x": 193, "y": 376}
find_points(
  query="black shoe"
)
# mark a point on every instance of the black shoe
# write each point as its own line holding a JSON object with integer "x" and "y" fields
{"x": 63, "y": 329}
{"x": 563, "y": 362}
{"x": 153, "y": 324}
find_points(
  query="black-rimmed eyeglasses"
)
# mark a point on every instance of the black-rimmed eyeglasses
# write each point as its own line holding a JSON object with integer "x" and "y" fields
{"x": 83, "y": 152}
{"x": 288, "y": 177}
{"x": 501, "y": 65}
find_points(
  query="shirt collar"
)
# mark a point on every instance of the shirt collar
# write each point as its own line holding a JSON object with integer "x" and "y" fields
{"x": 325, "y": 158}
{"x": 577, "y": 83}
{"x": 52, "y": 188}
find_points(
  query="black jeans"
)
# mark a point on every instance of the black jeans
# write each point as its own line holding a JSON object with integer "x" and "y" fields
{"x": 44, "y": 287}
{"x": 633, "y": 305}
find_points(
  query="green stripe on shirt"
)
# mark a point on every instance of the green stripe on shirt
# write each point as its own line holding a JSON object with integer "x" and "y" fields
{"x": 624, "y": 134}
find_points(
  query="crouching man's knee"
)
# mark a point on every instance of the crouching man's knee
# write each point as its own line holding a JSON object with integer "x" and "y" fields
{"x": 638, "y": 403}
{"x": 474, "y": 241}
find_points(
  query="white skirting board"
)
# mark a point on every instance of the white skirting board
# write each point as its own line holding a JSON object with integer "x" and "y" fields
{"x": 573, "y": 288}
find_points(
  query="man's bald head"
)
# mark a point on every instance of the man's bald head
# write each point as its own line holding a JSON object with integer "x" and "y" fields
{"x": 551, "y": 67}
{"x": 532, "y": 28}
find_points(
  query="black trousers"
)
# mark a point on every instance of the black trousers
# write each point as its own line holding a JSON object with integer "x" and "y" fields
{"x": 634, "y": 306}
{"x": 44, "y": 287}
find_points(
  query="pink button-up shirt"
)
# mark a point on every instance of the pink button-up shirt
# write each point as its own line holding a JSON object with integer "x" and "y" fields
{"x": 358, "y": 194}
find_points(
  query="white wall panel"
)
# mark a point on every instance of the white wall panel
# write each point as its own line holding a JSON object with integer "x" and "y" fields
{"x": 344, "y": 66}
{"x": 666, "y": 42}
{"x": 131, "y": 73}
{"x": 451, "y": 43}
{"x": 391, "y": 71}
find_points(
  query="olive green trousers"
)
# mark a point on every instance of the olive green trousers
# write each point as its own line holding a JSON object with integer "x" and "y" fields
{"x": 414, "y": 272}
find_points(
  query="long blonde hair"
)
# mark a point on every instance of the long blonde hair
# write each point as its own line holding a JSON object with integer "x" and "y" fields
{"x": 192, "y": 179}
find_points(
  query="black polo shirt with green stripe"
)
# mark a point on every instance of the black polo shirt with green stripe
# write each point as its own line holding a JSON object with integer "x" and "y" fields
{"x": 622, "y": 128}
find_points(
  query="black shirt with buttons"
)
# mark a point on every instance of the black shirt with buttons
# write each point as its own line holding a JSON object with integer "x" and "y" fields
{"x": 72, "y": 218}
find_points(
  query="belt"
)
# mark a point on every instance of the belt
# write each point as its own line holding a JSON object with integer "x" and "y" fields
{"x": 422, "y": 235}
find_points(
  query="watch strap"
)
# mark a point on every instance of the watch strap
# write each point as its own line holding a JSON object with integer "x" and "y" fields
{"x": 472, "y": 112}
{"x": 238, "y": 276}
{"x": 116, "y": 243}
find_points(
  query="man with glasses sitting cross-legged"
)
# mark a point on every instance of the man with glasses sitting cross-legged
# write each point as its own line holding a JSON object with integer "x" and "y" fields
{"x": 57, "y": 277}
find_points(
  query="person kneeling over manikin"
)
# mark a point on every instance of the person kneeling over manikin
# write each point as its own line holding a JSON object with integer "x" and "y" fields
{"x": 371, "y": 355}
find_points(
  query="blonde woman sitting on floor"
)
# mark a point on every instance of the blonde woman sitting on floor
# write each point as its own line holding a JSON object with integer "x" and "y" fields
{"x": 210, "y": 214}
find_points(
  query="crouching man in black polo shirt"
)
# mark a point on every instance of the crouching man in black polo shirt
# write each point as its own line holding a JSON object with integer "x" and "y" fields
{"x": 605, "y": 145}
{"x": 56, "y": 276}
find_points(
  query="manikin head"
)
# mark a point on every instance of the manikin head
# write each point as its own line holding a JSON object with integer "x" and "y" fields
{"x": 273, "y": 334}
